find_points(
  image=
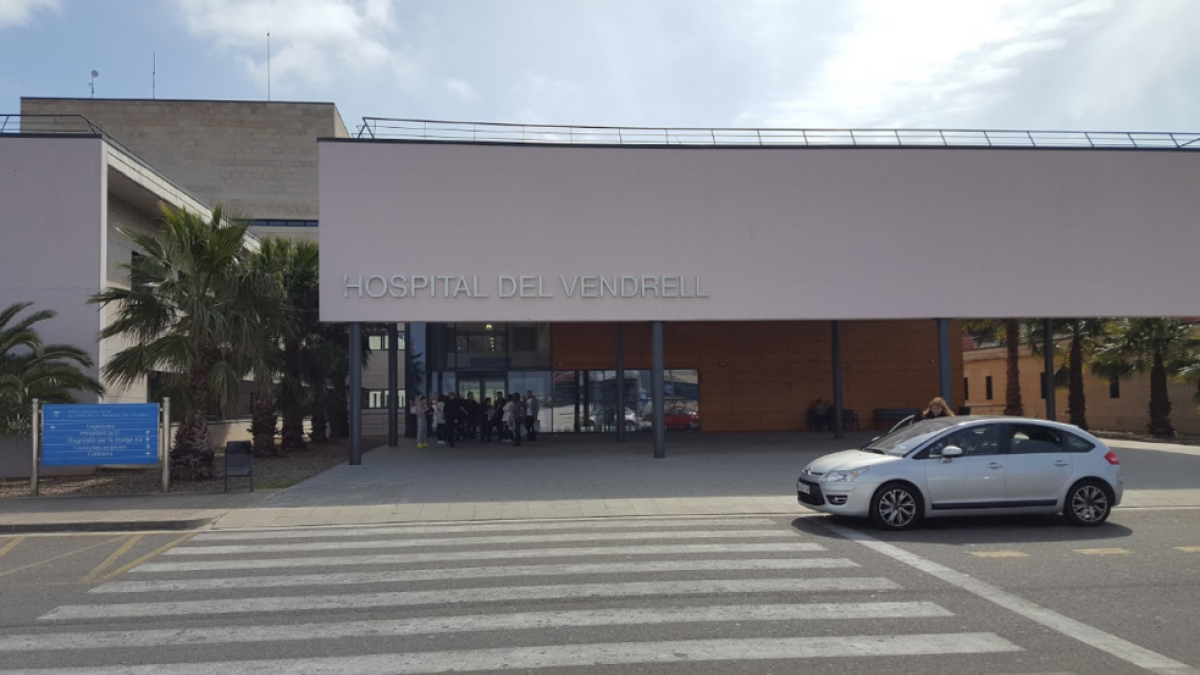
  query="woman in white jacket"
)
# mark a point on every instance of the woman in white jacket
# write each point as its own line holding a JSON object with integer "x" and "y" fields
{"x": 508, "y": 418}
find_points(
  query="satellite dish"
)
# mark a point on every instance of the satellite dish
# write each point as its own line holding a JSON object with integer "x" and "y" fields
{"x": 95, "y": 73}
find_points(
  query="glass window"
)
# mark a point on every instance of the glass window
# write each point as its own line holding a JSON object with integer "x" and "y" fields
{"x": 541, "y": 384}
{"x": 1032, "y": 439}
{"x": 1077, "y": 444}
{"x": 988, "y": 387}
{"x": 974, "y": 441}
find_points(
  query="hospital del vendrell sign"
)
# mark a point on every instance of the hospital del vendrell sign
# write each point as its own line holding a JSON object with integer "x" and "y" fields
{"x": 526, "y": 286}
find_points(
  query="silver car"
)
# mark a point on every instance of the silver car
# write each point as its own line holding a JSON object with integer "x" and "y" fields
{"x": 956, "y": 466}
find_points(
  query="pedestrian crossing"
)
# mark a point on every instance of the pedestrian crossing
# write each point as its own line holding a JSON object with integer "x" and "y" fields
{"x": 654, "y": 595}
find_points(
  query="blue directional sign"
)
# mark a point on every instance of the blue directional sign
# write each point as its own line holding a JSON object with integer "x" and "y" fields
{"x": 108, "y": 433}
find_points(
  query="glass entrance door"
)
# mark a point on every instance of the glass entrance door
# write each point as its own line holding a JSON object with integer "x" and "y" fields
{"x": 482, "y": 386}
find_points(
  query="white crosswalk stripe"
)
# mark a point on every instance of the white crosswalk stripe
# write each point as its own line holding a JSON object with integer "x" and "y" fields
{"x": 458, "y": 556}
{"x": 568, "y": 656}
{"x": 350, "y": 578}
{"x": 575, "y": 525}
{"x": 638, "y": 593}
{"x": 479, "y": 622}
{"x": 472, "y": 541}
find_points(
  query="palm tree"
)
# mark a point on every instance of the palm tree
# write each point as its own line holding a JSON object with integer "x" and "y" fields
{"x": 1085, "y": 336}
{"x": 1164, "y": 348}
{"x": 31, "y": 369}
{"x": 293, "y": 268}
{"x": 193, "y": 313}
{"x": 1008, "y": 330}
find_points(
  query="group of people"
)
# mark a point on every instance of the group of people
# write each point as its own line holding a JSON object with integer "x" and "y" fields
{"x": 456, "y": 418}
{"x": 819, "y": 414}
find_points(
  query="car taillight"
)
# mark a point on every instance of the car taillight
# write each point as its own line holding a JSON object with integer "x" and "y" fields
{"x": 1111, "y": 458}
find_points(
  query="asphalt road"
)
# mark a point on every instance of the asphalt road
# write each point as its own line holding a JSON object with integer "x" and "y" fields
{"x": 703, "y": 595}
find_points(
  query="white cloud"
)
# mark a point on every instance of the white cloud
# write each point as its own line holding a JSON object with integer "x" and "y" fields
{"x": 923, "y": 63}
{"x": 312, "y": 41}
{"x": 20, "y": 12}
{"x": 462, "y": 88}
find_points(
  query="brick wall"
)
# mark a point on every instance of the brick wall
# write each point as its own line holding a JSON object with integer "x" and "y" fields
{"x": 763, "y": 376}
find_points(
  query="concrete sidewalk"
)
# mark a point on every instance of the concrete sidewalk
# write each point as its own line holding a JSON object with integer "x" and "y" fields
{"x": 559, "y": 477}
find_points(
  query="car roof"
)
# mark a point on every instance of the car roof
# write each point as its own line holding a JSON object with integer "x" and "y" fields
{"x": 968, "y": 419}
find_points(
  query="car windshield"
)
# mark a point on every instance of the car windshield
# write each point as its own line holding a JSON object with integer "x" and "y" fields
{"x": 901, "y": 441}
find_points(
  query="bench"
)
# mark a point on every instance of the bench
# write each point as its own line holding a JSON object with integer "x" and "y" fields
{"x": 890, "y": 416}
{"x": 239, "y": 461}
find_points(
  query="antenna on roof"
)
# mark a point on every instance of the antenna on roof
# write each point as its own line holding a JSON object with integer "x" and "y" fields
{"x": 154, "y": 75}
{"x": 92, "y": 82}
{"x": 268, "y": 66}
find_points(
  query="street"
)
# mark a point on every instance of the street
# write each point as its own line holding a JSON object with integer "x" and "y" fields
{"x": 715, "y": 594}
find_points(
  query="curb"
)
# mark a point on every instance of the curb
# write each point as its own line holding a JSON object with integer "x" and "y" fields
{"x": 107, "y": 526}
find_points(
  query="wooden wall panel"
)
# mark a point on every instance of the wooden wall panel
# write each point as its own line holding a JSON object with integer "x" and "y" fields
{"x": 762, "y": 376}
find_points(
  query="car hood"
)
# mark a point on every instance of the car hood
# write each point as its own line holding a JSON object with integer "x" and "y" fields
{"x": 847, "y": 459}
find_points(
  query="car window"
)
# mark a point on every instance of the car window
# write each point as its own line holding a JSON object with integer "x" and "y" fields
{"x": 1077, "y": 444}
{"x": 974, "y": 441}
{"x": 902, "y": 441}
{"x": 1033, "y": 439}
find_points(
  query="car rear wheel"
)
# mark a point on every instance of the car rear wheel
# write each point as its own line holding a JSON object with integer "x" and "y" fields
{"x": 896, "y": 507}
{"x": 1088, "y": 503}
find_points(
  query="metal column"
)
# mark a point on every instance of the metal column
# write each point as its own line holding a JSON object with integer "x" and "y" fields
{"x": 620, "y": 411}
{"x": 944, "y": 369}
{"x": 1048, "y": 376}
{"x": 355, "y": 393}
{"x": 839, "y": 429}
{"x": 657, "y": 391}
{"x": 393, "y": 348}
{"x": 35, "y": 429}
{"x": 165, "y": 442}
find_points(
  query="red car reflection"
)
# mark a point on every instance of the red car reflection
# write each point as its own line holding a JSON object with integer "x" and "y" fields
{"x": 678, "y": 419}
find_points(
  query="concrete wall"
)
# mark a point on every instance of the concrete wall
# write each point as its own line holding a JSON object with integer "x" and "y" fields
{"x": 774, "y": 233}
{"x": 1128, "y": 412}
{"x": 119, "y": 249}
{"x": 258, "y": 158}
{"x": 52, "y": 220}
{"x": 762, "y": 376}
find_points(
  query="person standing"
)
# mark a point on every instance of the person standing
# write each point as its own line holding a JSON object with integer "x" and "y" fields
{"x": 498, "y": 415}
{"x": 518, "y": 417}
{"x": 937, "y": 408}
{"x": 419, "y": 409}
{"x": 486, "y": 412}
{"x": 531, "y": 415}
{"x": 439, "y": 419}
{"x": 454, "y": 416}
{"x": 506, "y": 420}
{"x": 471, "y": 416}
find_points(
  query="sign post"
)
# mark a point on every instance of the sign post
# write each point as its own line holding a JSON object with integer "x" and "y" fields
{"x": 35, "y": 426}
{"x": 165, "y": 442}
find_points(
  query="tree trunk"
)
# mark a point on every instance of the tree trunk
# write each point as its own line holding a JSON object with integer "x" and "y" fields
{"x": 262, "y": 425}
{"x": 1012, "y": 390}
{"x": 320, "y": 433}
{"x": 339, "y": 410}
{"x": 293, "y": 412}
{"x": 1160, "y": 401}
{"x": 192, "y": 456}
{"x": 1076, "y": 403}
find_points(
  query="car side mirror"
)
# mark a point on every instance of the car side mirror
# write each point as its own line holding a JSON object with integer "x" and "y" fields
{"x": 951, "y": 451}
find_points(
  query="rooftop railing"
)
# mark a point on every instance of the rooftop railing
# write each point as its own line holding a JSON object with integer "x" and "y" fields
{"x": 494, "y": 132}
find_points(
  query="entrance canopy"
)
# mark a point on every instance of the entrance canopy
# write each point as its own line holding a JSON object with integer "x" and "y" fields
{"x": 464, "y": 232}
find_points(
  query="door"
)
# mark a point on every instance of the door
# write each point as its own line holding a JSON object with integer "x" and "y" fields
{"x": 482, "y": 386}
{"x": 1037, "y": 466}
{"x": 973, "y": 481}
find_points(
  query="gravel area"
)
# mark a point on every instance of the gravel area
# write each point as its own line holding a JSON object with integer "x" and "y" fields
{"x": 271, "y": 472}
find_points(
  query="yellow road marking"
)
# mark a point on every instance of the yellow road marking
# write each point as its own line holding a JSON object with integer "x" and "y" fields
{"x": 12, "y": 543}
{"x": 91, "y": 576}
{"x": 1185, "y": 549}
{"x": 57, "y": 557}
{"x": 999, "y": 554}
{"x": 161, "y": 549}
{"x": 1101, "y": 551}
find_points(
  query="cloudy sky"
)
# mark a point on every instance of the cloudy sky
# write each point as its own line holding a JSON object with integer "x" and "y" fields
{"x": 1025, "y": 64}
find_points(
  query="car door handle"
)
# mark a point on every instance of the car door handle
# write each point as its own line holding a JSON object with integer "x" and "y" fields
{"x": 1062, "y": 463}
{"x": 995, "y": 465}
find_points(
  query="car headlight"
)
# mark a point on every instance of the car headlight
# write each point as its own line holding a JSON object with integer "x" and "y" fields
{"x": 845, "y": 476}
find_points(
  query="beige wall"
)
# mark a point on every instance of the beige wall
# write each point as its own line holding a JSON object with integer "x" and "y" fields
{"x": 257, "y": 157}
{"x": 1129, "y": 412}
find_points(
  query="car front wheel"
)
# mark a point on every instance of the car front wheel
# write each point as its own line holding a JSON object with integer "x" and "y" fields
{"x": 896, "y": 507}
{"x": 1088, "y": 503}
